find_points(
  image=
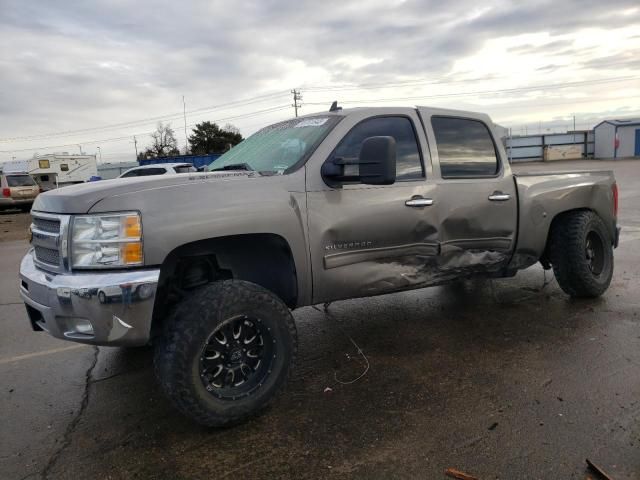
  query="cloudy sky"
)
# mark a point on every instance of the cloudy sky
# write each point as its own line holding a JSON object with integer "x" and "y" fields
{"x": 81, "y": 75}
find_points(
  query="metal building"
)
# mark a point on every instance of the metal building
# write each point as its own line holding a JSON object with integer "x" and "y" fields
{"x": 617, "y": 138}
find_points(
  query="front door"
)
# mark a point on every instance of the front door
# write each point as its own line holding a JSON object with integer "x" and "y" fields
{"x": 365, "y": 239}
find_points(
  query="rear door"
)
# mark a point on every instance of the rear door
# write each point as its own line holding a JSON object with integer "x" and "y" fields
{"x": 476, "y": 195}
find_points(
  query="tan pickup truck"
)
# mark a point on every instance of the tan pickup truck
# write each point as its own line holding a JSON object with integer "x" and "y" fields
{"x": 349, "y": 203}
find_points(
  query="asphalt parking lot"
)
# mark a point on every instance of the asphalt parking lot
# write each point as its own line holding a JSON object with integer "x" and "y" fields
{"x": 503, "y": 379}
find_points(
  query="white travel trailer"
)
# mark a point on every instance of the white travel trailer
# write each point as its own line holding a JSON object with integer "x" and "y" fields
{"x": 57, "y": 169}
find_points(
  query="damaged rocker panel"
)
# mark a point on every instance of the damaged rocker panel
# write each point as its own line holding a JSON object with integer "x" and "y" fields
{"x": 341, "y": 259}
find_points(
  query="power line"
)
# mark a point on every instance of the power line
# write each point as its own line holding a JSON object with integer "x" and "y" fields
{"x": 500, "y": 107}
{"x": 488, "y": 92}
{"x": 446, "y": 79}
{"x": 105, "y": 140}
{"x": 408, "y": 83}
{"x": 236, "y": 103}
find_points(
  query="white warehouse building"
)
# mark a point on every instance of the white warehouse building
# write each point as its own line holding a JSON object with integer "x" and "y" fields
{"x": 617, "y": 138}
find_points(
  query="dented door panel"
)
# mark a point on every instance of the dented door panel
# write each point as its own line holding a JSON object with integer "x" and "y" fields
{"x": 477, "y": 235}
{"x": 477, "y": 217}
{"x": 366, "y": 241}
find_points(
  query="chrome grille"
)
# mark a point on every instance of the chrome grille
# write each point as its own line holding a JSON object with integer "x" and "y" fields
{"x": 47, "y": 255}
{"x": 46, "y": 224}
{"x": 48, "y": 237}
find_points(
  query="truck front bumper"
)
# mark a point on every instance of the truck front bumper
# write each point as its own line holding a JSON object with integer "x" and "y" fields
{"x": 99, "y": 308}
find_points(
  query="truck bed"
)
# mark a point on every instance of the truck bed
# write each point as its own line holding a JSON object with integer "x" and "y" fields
{"x": 543, "y": 195}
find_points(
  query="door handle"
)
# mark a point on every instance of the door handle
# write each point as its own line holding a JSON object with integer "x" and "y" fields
{"x": 499, "y": 197}
{"x": 419, "y": 202}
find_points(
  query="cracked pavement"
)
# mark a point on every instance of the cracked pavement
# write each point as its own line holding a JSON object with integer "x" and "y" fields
{"x": 502, "y": 379}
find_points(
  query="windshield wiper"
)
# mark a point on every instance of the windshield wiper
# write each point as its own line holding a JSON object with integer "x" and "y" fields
{"x": 234, "y": 166}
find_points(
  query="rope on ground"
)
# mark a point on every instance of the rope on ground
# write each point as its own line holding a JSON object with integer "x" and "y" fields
{"x": 360, "y": 352}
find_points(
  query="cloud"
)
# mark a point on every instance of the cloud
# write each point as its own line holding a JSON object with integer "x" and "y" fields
{"x": 68, "y": 65}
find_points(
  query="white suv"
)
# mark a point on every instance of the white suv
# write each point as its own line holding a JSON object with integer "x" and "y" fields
{"x": 159, "y": 169}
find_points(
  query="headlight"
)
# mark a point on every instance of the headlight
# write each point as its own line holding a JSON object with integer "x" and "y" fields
{"x": 106, "y": 240}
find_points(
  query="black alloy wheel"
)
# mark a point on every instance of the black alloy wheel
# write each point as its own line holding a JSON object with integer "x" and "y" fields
{"x": 594, "y": 252}
{"x": 237, "y": 358}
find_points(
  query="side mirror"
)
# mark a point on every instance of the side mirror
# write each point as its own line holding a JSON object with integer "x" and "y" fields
{"x": 377, "y": 161}
{"x": 376, "y": 164}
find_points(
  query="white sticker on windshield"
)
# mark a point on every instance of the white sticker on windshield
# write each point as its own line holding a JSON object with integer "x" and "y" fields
{"x": 312, "y": 122}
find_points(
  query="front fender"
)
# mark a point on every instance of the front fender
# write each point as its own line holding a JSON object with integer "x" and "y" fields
{"x": 208, "y": 208}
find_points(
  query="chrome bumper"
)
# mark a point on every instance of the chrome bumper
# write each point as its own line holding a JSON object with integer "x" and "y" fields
{"x": 15, "y": 202}
{"x": 99, "y": 308}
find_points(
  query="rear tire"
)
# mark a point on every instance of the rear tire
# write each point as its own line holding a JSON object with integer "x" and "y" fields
{"x": 226, "y": 352}
{"x": 581, "y": 253}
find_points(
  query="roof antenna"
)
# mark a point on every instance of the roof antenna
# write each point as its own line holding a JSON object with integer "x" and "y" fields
{"x": 334, "y": 107}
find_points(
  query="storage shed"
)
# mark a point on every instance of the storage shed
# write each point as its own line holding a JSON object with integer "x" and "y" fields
{"x": 617, "y": 138}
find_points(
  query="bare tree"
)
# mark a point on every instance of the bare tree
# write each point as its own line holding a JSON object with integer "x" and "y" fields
{"x": 163, "y": 143}
{"x": 231, "y": 129}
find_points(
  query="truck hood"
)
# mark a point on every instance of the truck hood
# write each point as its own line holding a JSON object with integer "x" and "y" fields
{"x": 77, "y": 199}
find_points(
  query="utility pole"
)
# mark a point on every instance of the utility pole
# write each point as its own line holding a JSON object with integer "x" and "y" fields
{"x": 297, "y": 96}
{"x": 100, "y": 152}
{"x": 184, "y": 114}
{"x": 135, "y": 143}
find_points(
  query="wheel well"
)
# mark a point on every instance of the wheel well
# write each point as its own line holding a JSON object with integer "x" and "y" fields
{"x": 545, "y": 259}
{"x": 264, "y": 259}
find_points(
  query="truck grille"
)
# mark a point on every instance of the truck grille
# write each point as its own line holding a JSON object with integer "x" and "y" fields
{"x": 47, "y": 255}
{"x": 46, "y": 224}
{"x": 47, "y": 234}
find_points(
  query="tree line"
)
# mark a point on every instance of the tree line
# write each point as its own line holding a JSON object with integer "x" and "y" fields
{"x": 206, "y": 137}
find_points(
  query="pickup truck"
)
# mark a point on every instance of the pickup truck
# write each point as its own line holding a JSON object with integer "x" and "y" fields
{"x": 207, "y": 267}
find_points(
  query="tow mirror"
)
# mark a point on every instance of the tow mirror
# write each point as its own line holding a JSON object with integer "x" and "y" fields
{"x": 376, "y": 164}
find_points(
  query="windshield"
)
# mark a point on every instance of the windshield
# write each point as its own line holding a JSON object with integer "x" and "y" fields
{"x": 278, "y": 147}
{"x": 20, "y": 181}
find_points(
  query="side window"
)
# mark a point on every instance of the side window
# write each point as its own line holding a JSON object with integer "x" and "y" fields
{"x": 145, "y": 172}
{"x": 408, "y": 164}
{"x": 64, "y": 167}
{"x": 185, "y": 169}
{"x": 465, "y": 148}
{"x": 132, "y": 173}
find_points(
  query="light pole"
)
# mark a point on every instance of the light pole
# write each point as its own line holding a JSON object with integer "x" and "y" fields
{"x": 100, "y": 152}
{"x": 80, "y": 148}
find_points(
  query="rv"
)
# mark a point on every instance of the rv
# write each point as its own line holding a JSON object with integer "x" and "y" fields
{"x": 56, "y": 170}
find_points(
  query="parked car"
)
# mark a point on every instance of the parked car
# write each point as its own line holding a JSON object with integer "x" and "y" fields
{"x": 18, "y": 190}
{"x": 159, "y": 169}
{"x": 315, "y": 209}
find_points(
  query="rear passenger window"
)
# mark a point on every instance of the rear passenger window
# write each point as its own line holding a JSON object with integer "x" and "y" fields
{"x": 408, "y": 163}
{"x": 465, "y": 148}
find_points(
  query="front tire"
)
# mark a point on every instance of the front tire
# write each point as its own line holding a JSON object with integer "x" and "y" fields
{"x": 581, "y": 252}
{"x": 226, "y": 352}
